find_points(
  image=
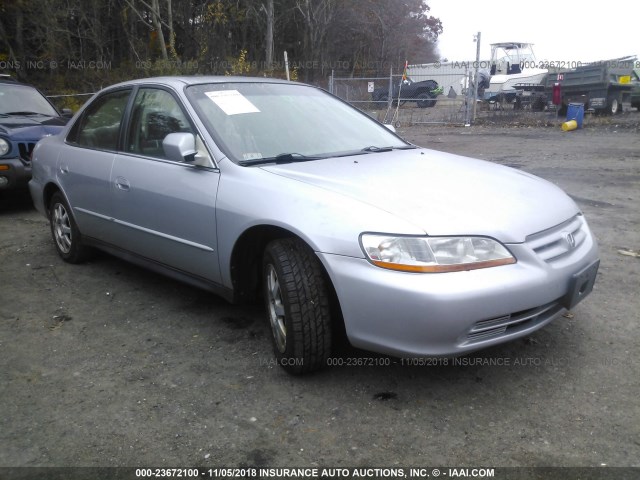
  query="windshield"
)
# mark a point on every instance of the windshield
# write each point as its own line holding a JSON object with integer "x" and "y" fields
{"x": 254, "y": 121}
{"x": 24, "y": 99}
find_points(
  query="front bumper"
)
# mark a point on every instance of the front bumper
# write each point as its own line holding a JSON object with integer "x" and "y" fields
{"x": 449, "y": 314}
{"x": 13, "y": 173}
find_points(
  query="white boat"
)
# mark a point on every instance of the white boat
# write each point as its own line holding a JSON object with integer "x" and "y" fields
{"x": 512, "y": 63}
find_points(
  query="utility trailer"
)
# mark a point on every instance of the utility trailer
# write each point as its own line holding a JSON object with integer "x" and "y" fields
{"x": 601, "y": 86}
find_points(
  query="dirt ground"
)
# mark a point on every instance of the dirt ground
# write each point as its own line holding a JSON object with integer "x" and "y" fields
{"x": 106, "y": 364}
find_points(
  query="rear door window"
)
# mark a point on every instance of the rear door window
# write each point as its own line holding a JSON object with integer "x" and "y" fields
{"x": 99, "y": 125}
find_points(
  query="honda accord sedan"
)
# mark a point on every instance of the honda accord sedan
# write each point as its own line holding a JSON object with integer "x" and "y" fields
{"x": 256, "y": 188}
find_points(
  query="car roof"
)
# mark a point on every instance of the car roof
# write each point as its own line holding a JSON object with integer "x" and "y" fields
{"x": 181, "y": 81}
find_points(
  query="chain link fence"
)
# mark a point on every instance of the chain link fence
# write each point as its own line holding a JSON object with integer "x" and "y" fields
{"x": 439, "y": 93}
{"x": 71, "y": 101}
{"x": 425, "y": 96}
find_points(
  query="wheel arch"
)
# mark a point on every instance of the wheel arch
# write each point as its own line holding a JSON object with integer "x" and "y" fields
{"x": 246, "y": 258}
{"x": 246, "y": 264}
{"x": 47, "y": 193}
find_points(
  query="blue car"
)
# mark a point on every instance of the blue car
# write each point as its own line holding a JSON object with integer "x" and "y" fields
{"x": 26, "y": 116}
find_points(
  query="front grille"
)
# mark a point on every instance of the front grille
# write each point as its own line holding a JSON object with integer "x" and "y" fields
{"x": 511, "y": 323}
{"x": 25, "y": 150}
{"x": 556, "y": 242}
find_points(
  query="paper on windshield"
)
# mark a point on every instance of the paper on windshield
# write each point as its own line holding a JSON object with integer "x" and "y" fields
{"x": 232, "y": 102}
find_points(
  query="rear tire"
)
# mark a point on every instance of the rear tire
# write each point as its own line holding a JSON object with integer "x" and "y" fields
{"x": 424, "y": 100}
{"x": 297, "y": 303}
{"x": 64, "y": 231}
{"x": 613, "y": 107}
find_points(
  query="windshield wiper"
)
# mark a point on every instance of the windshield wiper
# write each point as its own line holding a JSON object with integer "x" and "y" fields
{"x": 299, "y": 157}
{"x": 374, "y": 149}
{"x": 280, "y": 159}
{"x": 27, "y": 113}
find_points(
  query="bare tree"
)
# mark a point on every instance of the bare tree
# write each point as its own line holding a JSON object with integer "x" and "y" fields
{"x": 352, "y": 35}
{"x": 317, "y": 15}
{"x": 268, "y": 41}
{"x": 155, "y": 18}
{"x": 172, "y": 35}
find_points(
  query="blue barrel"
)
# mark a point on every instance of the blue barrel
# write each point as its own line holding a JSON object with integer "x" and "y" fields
{"x": 575, "y": 111}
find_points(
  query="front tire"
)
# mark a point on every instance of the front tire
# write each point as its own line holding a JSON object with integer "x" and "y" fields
{"x": 64, "y": 231}
{"x": 298, "y": 308}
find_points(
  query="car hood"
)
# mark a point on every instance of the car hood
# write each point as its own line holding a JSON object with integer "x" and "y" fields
{"x": 441, "y": 193}
{"x": 30, "y": 127}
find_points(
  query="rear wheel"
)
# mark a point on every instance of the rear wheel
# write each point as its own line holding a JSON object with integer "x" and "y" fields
{"x": 64, "y": 231}
{"x": 298, "y": 307}
{"x": 425, "y": 100}
{"x": 613, "y": 106}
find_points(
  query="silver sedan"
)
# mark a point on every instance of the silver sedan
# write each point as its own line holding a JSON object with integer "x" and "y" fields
{"x": 262, "y": 188}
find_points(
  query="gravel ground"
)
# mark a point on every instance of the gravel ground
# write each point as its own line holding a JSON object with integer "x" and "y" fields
{"x": 106, "y": 364}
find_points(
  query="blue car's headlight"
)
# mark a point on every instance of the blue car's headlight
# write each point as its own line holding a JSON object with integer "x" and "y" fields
{"x": 434, "y": 254}
{"x": 4, "y": 147}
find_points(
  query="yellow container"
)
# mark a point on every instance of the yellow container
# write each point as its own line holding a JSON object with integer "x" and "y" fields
{"x": 625, "y": 79}
{"x": 570, "y": 125}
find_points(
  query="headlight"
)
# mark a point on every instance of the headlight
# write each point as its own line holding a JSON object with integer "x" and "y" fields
{"x": 434, "y": 254}
{"x": 4, "y": 147}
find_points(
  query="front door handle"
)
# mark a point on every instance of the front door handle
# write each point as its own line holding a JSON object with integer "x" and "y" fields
{"x": 122, "y": 184}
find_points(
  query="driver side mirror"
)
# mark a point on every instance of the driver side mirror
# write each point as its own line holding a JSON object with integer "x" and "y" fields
{"x": 180, "y": 147}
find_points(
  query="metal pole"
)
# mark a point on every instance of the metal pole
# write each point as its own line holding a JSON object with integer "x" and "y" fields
{"x": 389, "y": 99}
{"x": 286, "y": 64}
{"x": 475, "y": 80}
{"x": 331, "y": 81}
{"x": 390, "y": 86}
{"x": 468, "y": 97}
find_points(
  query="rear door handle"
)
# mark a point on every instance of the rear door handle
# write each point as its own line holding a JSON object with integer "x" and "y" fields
{"x": 122, "y": 184}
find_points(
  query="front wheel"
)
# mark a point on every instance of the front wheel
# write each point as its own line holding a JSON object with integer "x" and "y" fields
{"x": 298, "y": 308}
{"x": 383, "y": 101}
{"x": 64, "y": 231}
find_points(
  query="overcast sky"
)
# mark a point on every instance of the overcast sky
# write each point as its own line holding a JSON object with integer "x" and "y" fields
{"x": 561, "y": 30}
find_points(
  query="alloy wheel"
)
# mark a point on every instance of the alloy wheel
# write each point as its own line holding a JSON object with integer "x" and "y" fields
{"x": 276, "y": 309}
{"x": 62, "y": 228}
